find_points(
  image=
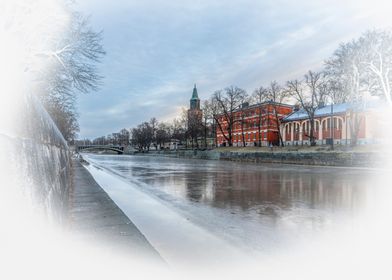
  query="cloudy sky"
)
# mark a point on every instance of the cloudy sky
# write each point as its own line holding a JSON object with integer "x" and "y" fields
{"x": 157, "y": 50}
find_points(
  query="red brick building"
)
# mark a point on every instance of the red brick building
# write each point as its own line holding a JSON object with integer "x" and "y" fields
{"x": 247, "y": 122}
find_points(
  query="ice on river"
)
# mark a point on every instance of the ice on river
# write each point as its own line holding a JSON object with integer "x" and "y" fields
{"x": 179, "y": 241}
{"x": 193, "y": 210}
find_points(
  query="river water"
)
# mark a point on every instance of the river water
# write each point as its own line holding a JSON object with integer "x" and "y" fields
{"x": 260, "y": 208}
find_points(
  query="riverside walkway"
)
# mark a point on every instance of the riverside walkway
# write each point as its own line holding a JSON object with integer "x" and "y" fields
{"x": 94, "y": 217}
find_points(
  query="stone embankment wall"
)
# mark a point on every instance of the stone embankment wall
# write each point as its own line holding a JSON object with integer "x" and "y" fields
{"x": 314, "y": 158}
{"x": 330, "y": 158}
{"x": 35, "y": 163}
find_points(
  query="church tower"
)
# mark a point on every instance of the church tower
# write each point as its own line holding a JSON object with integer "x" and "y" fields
{"x": 195, "y": 101}
{"x": 195, "y": 116}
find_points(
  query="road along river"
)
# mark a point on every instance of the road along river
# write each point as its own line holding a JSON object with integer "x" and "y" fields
{"x": 212, "y": 210}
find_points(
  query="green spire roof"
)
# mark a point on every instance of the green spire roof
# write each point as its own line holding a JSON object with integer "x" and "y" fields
{"x": 194, "y": 94}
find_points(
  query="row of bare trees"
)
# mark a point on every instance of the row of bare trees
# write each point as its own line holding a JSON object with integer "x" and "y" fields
{"x": 120, "y": 138}
{"x": 155, "y": 134}
{"x": 219, "y": 110}
{"x": 356, "y": 70}
{"x": 147, "y": 134}
{"x": 310, "y": 93}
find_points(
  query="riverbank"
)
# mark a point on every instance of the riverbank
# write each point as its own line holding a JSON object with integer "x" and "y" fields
{"x": 320, "y": 156}
{"x": 94, "y": 217}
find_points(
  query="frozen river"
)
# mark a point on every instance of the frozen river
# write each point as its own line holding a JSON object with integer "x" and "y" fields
{"x": 259, "y": 208}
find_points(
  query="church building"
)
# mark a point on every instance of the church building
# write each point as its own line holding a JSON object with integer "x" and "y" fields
{"x": 194, "y": 112}
{"x": 195, "y": 115}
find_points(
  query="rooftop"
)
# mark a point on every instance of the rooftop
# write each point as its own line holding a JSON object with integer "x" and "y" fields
{"x": 257, "y": 105}
{"x": 326, "y": 110}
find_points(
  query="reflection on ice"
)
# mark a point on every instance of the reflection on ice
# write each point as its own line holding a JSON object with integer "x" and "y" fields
{"x": 257, "y": 207}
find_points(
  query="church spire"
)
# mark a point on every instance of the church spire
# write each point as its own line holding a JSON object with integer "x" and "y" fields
{"x": 194, "y": 94}
{"x": 195, "y": 101}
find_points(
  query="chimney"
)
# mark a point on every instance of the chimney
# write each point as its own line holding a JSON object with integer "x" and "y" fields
{"x": 245, "y": 104}
{"x": 296, "y": 107}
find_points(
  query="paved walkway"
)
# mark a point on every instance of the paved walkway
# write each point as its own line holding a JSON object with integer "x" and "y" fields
{"x": 94, "y": 217}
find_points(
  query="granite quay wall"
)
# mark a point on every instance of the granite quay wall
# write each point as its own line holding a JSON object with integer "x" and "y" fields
{"x": 35, "y": 162}
{"x": 323, "y": 158}
{"x": 303, "y": 158}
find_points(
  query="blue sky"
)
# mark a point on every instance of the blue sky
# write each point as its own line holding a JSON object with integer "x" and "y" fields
{"x": 157, "y": 50}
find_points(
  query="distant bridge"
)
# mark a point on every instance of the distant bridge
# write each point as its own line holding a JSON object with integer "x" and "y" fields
{"x": 116, "y": 148}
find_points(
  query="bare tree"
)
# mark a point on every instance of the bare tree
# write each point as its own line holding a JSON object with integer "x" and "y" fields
{"x": 277, "y": 95}
{"x": 195, "y": 126}
{"x": 142, "y": 136}
{"x": 109, "y": 139}
{"x": 75, "y": 58}
{"x": 215, "y": 112}
{"x": 208, "y": 116}
{"x": 243, "y": 124}
{"x": 63, "y": 112}
{"x": 243, "y": 114}
{"x": 154, "y": 126}
{"x": 163, "y": 134}
{"x": 116, "y": 138}
{"x": 227, "y": 102}
{"x": 376, "y": 50}
{"x": 178, "y": 129}
{"x": 124, "y": 137}
{"x": 347, "y": 73}
{"x": 259, "y": 96}
{"x": 183, "y": 121}
{"x": 310, "y": 94}
{"x": 100, "y": 141}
